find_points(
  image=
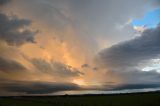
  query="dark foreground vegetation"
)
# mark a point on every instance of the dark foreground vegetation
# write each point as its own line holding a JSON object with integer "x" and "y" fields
{"x": 134, "y": 99}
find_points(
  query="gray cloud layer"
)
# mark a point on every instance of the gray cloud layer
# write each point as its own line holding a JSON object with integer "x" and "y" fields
{"x": 24, "y": 87}
{"x": 125, "y": 59}
{"x": 136, "y": 86}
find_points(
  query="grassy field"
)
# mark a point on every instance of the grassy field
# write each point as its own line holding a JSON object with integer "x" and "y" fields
{"x": 137, "y": 99}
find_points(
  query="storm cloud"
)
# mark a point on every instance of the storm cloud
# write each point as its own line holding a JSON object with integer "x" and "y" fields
{"x": 133, "y": 52}
{"x": 126, "y": 59}
{"x": 71, "y": 34}
{"x": 27, "y": 87}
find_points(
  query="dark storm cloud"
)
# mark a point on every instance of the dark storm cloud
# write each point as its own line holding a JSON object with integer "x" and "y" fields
{"x": 126, "y": 59}
{"x": 56, "y": 68}
{"x": 133, "y": 52}
{"x": 24, "y": 87}
{"x": 135, "y": 76}
{"x": 14, "y": 32}
{"x": 10, "y": 65}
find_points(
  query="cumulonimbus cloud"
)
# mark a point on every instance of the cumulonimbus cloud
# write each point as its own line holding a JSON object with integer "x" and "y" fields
{"x": 125, "y": 59}
{"x": 133, "y": 52}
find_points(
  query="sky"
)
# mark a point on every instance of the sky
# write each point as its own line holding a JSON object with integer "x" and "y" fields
{"x": 48, "y": 46}
{"x": 151, "y": 19}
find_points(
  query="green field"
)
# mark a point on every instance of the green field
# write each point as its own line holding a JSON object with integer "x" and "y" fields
{"x": 137, "y": 99}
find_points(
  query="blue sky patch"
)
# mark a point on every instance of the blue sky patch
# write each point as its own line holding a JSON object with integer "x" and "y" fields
{"x": 150, "y": 20}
